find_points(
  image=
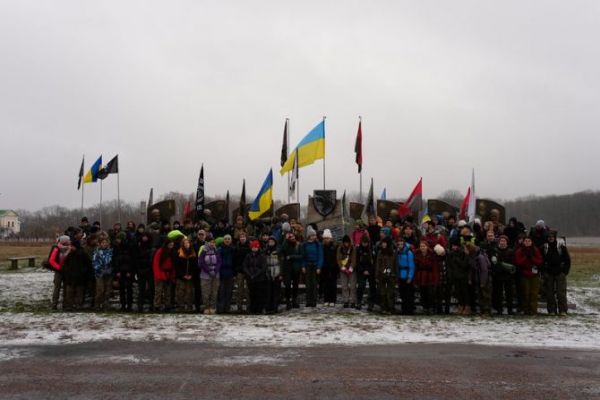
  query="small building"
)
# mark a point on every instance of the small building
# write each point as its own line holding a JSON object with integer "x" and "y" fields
{"x": 9, "y": 223}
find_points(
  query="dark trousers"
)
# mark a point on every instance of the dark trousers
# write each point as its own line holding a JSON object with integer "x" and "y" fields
{"x": 362, "y": 285}
{"x": 197, "y": 292}
{"x": 427, "y": 294}
{"x": 224, "y": 295}
{"x": 502, "y": 289}
{"x": 311, "y": 285}
{"x": 273, "y": 295}
{"x": 126, "y": 291}
{"x": 407, "y": 296}
{"x": 291, "y": 278}
{"x": 258, "y": 296}
{"x": 442, "y": 297}
{"x": 145, "y": 290}
{"x": 329, "y": 279}
{"x": 462, "y": 291}
{"x": 387, "y": 292}
{"x": 556, "y": 293}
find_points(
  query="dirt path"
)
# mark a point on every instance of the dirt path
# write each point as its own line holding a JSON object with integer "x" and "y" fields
{"x": 170, "y": 370}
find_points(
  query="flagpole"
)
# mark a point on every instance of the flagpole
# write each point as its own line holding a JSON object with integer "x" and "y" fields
{"x": 82, "y": 186}
{"x": 323, "y": 152}
{"x": 101, "y": 202}
{"x": 360, "y": 174}
{"x": 119, "y": 194}
{"x": 297, "y": 165}
{"x": 287, "y": 145}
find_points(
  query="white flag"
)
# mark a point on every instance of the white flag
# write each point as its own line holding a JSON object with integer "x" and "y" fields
{"x": 294, "y": 177}
{"x": 472, "y": 199}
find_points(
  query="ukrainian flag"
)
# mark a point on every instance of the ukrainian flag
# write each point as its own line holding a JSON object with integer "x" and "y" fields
{"x": 264, "y": 200}
{"x": 310, "y": 149}
{"x": 92, "y": 174}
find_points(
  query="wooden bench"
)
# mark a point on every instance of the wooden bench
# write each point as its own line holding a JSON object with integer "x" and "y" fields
{"x": 14, "y": 261}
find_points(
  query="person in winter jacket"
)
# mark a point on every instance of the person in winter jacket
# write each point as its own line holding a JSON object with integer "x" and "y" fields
{"x": 291, "y": 255}
{"x": 209, "y": 263}
{"x": 459, "y": 271}
{"x": 426, "y": 275}
{"x": 56, "y": 259}
{"x": 312, "y": 262}
{"x": 346, "y": 260}
{"x": 330, "y": 269}
{"x": 557, "y": 263}
{"x": 366, "y": 272}
{"x": 386, "y": 276}
{"x": 359, "y": 231}
{"x": 186, "y": 266}
{"x": 405, "y": 264}
{"x": 443, "y": 293}
{"x": 255, "y": 268}
{"x": 481, "y": 277}
{"x": 242, "y": 249}
{"x": 502, "y": 259}
{"x": 124, "y": 266}
{"x": 274, "y": 276}
{"x": 102, "y": 259}
{"x": 539, "y": 234}
{"x": 529, "y": 260}
{"x": 75, "y": 271}
{"x": 164, "y": 274}
{"x": 226, "y": 275}
{"x": 145, "y": 275}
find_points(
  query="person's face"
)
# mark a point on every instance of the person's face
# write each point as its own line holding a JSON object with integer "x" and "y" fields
{"x": 140, "y": 230}
{"x": 130, "y": 225}
{"x": 551, "y": 239}
{"x": 239, "y": 220}
{"x": 465, "y": 231}
{"x": 78, "y": 235}
{"x": 423, "y": 247}
{"x": 186, "y": 244}
{"x": 372, "y": 220}
{"x": 327, "y": 240}
{"x": 429, "y": 228}
{"x": 227, "y": 241}
{"x": 144, "y": 239}
{"x": 243, "y": 239}
{"x": 490, "y": 236}
{"x": 117, "y": 227}
{"x": 255, "y": 249}
{"x": 401, "y": 244}
{"x": 527, "y": 242}
{"x": 171, "y": 245}
{"x": 384, "y": 245}
{"x": 272, "y": 243}
{"x": 502, "y": 244}
{"x": 104, "y": 244}
{"x": 201, "y": 236}
{"x": 408, "y": 231}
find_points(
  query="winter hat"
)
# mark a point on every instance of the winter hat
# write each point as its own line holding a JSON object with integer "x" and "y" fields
{"x": 504, "y": 237}
{"x": 439, "y": 250}
{"x": 364, "y": 238}
{"x": 477, "y": 221}
{"x": 395, "y": 233}
{"x": 462, "y": 223}
{"x": 255, "y": 244}
{"x": 346, "y": 239}
{"x": 310, "y": 231}
{"x": 540, "y": 224}
{"x": 386, "y": 231}
{"x": 219, "y": 241}
{"x": 209, "y": 237}
{"x": 327, "y": 234}
{"x": 64, "y": 239}
{"x": 286, "y": 227}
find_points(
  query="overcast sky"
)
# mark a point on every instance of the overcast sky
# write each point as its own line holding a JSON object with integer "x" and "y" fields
{"x": 511, "y": 88}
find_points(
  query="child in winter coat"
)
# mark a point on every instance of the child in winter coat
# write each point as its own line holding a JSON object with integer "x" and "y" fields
{"x": 365, "y": 272}
{"x": 346, "y": 259}
{"x": 103, "y": 271}
{"x": 164, "y": 275}
{"x": 405, "y": 263}
{"x": 386, "y": 276}
{"x": 255, "y": 268}
{"x": 273, "y": 275}
{"x": 185, "y": 268}
{"x": 209, "y": 262}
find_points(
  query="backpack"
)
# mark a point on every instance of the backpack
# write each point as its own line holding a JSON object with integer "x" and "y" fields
{"x": 46, "y": 263}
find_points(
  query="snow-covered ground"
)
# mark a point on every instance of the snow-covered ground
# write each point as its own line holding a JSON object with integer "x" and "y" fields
{"x": 304, "y": 327}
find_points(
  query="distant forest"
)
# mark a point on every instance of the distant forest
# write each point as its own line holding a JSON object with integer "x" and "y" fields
{"x": 576, "y": 214}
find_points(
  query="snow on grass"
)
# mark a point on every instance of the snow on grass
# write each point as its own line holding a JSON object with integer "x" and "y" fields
{"x": 302, "y": 327}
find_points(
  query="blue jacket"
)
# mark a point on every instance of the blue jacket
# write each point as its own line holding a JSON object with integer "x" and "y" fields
{"x": 405, "y": 261}
{"x": 313, "y": 254}
{"x": 227, "y": 266}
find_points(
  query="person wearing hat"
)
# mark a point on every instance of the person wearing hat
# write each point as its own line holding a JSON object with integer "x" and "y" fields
{"x": 124, "y": 268}
{"x": 502, "y": 258}
{"x": 557, "y": 264}
{"x": 102, "y": 262}
{"x": 312, "y": 262}
{"x": 405, "y": 264}
{"x": 209, "y": 263}
{"x": 145, "y": 275}
{"x": 458, "y": 274}
{"x": 539, "y": 234}
{"x": 427, "y": 275}
{"x": 386, "y": 276}
{"x": 56, "y": 260}
{"x": 242, "y": 249}
{"x": 186, "y": 265}
{"x": 366, "y": 271}
{"x": 480, "y": 277}
{"x": 255, "y": 268}
{"x": 529, "y": 260}
{"x": 163, "y": 270}
{"x": 274, "y": 275}
{"x": 346, "y": 260}
{"x": 330, "y": 271}
{"x": 75, "y": 270}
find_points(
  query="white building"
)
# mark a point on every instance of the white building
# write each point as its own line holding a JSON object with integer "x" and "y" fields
{"x": 9, "y": 223}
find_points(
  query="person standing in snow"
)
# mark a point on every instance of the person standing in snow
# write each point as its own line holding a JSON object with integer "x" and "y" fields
{"x": 312, "y": 262}
{"x": 103, "y": 271}
{"x": 346, "y": 260}
{"x": 557, "y": 263}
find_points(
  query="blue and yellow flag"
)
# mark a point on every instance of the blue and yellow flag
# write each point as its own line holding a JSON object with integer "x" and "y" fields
{"x": 310, "y": 149}
{"x": 92, "y": 174}
{"x": 264, "y": 200}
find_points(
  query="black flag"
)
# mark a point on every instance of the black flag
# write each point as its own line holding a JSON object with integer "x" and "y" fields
{"x": 200, "y": 195}
{"x": 370, "y": 206}
{"x": 111, "y": 168}
{"x": 227, "y": 207}
{"x": 242, "y": 208}
{"x": 284, "y": 146}
{"x": 80, "y": 174}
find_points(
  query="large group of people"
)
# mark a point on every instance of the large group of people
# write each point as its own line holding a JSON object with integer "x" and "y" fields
{"x": 441, "y": 266}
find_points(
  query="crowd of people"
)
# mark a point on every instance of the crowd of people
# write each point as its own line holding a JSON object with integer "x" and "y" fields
{"x": 437, "y": 267}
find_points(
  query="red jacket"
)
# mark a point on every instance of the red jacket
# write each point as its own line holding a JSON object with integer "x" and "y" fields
{"x": 528, "y": 257}
{"x": 165, "y": 270}
{"x": 55, "y": 260}
{"x": 427, "y": 271}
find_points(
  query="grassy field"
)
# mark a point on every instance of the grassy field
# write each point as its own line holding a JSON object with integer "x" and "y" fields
{"x": 584, "y": 272}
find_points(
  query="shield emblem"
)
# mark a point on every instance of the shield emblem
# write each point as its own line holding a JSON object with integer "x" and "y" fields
{"x": 324, "y": 201}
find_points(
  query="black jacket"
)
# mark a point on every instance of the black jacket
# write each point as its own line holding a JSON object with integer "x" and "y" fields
{"x": 255, "y": 267}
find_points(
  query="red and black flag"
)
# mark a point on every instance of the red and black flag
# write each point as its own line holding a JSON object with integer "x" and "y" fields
{"x": 414, "y": 202}
{"x": 80, "y": 174}
{"x": 200, "y": 195}
{"x": 358, "y": 147}
{"x": 111, "y": 168}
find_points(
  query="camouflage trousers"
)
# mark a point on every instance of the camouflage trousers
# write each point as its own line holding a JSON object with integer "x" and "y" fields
{"x": 184, "y": 292}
